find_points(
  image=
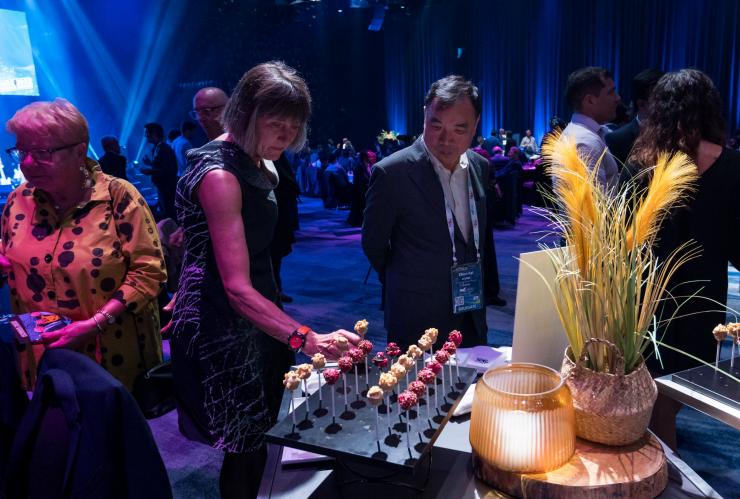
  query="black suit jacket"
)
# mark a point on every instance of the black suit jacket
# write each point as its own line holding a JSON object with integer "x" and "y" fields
{"x": 113, "y": 164}
{"x": 406, "y": 239}
{"x": 621, "y": 140}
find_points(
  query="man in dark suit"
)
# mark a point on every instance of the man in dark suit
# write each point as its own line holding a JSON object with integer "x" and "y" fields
{"x": 421, "y": 202}
{"x": 112, "y": 163}
{"x": 621, "y": 140}
{"x": 163, "y": 169}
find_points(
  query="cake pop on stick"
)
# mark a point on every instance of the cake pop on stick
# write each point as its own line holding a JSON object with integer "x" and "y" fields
{"x": 341, "y": 343}
{"x": 451, "y": 350}
{"x": 357, "y": 356}
{"x": 319, "y": 362}
{"x": 442, "y": 357}
{"x": 407, "y": 362}
{"x": 399, "y": 372}
{"x": 291, "y": 381}
{"x": 387, "y": 381}
{"x": 366, "y": 347}
{"x": 720, "y": 333}
{"x": 427, "y": 377}
{"x": 345, "y": 365}
{"x": 375, "y": 397}
{"x": 455, "y": 337}
{"x": 392, "y": 350}
{"x": 381, "y": 361}
{"x": 361, "y": 327}
{"x": 733, "y": 328}
{"x": 425, "y": 343}
{"x": 304, "y": 372}
{"x": 435, "y": 367}
{"x": 418, "y": 388}
{"x": 415, "y": 353}
{"x": 407, "y": 400}
{"x": 432, "y": 333}
{"x": 331, "y": 376}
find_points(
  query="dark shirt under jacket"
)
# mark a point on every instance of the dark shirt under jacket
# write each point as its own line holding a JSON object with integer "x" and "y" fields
{"x": 621, "y": 140}
{"x": 406, "y": 238}
{"x": 113, "y": 164}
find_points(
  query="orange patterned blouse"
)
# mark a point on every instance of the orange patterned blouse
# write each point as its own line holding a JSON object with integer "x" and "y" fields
{"x": 105, "y": 248}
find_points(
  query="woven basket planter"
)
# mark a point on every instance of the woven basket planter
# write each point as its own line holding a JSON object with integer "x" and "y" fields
{"x": 611, "y": 408}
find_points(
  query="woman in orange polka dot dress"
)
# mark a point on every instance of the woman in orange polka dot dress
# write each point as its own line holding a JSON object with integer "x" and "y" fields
{"x": 81, "y": 244}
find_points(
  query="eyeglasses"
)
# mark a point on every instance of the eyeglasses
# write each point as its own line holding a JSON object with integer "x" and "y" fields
{"x": 41, "y": 155}
{"x": 205, "y": 111}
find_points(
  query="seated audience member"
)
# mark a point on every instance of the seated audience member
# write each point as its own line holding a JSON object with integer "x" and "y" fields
{"x": 112, "y": 162}
{"x": 491, "y": 142}
{"x": 181, "y": 145}
{"x": 359, "y": 188}
{"x": 82, "y": 244}
{"x": 685, "y": 115}
{"x": 498, "y": 160}
{"x": 528, "y": 145}
{"x": 162, "y": 168}
{"x": 230, "y": 340}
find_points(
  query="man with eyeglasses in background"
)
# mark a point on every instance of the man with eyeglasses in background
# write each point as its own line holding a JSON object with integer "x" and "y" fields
{"x": 208, "y": 105}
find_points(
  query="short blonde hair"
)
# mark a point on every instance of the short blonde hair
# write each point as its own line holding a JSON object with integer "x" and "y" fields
{"x": 58, "y": 119}
{"x": 268, "y": 89}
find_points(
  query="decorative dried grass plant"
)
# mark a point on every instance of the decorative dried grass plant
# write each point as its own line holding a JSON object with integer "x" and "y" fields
{"x": 609, "y": 282}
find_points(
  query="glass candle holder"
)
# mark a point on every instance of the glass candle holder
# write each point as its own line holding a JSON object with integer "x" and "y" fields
{"x": 522, "y": 419}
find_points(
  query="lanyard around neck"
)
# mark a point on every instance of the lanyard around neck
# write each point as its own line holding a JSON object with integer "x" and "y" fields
{"x": 473, "y": 222}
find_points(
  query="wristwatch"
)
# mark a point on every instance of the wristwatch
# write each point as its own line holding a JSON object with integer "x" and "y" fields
{"x": 297, "y": 339}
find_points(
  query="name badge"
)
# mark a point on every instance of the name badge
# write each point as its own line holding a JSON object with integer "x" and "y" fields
{"x": 467, "y": 287}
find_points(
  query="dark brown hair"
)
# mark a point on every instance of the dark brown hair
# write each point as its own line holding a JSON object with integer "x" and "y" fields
{"x": 268, "y": 89}
{"x": 583, "y": 82}
{"x": 451, "y": 88}
{"x": 684, "y": 108}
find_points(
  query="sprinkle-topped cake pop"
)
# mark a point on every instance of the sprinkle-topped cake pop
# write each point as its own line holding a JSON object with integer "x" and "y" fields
{"x": 433, "y": 333}
{"x": 427, "y": 376}
{"x": 387, "y": 381}
{"x": 449, "y": 347}
{"x": 304, "y": 371}
{"x": 425, "y": 343}
{"x": 356, "y": 355}
{"x": 291, "y": 381}
{"x": 406, "y": 361}
{"x": 414, "y": 352}
{"x": 435, "y": 366}
{"x": 398, "y": 371}
{"x": 441, "y": 356}
{"x": 375, "y": 395}
{"x": 417, "y": 387}
{"x": 341, "y": 343}
{"x": 345, "y": 364}
{"x": 380, "y": 360}
{"x": 455, "y": 337}
{"x": 366, "y": 346}
{"x": 331, "y": 376}
{"x": 361, "y": 327}
{"x": 407, "y": 400}
{"x": 318, "y": 361}
{"x": 392, "y": 350}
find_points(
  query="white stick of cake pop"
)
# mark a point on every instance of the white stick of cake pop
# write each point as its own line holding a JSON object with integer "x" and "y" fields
{"x": 291, "y": 381}
{"x": 319, "y": 362}
{"x": 720, "y": 333}
{"x": 375, "y": 397}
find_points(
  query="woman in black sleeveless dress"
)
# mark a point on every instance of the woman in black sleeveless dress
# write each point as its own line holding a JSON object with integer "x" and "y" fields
{"x": 229, "y": 337}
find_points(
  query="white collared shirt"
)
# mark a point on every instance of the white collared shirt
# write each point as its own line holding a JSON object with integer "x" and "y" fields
{"x": 455, "y": 188}
{"x": 589, "y": 138}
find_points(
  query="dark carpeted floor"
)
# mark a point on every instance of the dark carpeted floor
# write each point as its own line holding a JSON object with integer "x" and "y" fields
{"x": 325, "y": 275}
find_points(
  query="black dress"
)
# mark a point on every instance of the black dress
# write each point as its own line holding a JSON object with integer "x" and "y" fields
{"x": 711, "y": 218}
{"x": 228, "y": 374}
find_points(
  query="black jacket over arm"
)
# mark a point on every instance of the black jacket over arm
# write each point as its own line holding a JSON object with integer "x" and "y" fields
{"x": 406, "y": 238}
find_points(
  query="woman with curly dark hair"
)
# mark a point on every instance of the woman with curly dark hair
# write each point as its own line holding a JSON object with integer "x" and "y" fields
{"x": 685, "y": 115}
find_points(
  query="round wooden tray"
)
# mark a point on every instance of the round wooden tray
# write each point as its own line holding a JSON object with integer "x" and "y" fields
{"x": 595, "y": 471}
